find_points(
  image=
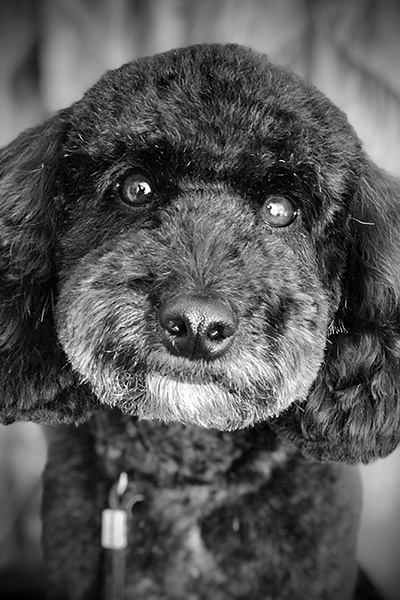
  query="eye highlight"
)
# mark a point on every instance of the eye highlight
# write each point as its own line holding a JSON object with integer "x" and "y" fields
{"x": 279, "y": 211}
{"x": 136, "y": 189}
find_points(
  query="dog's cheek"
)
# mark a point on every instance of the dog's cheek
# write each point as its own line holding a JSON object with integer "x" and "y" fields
{"x": 89, "y": 325}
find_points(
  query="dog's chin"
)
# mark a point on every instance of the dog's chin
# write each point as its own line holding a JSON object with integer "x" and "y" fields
{"x": 169, "y": 398}
{"x": 206, "y": 404}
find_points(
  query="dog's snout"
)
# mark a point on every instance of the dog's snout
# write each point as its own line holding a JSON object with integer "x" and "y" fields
{"x": 197, "y": 328}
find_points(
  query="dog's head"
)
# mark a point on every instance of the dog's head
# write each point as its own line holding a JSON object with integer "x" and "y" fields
{"x": 201, "y": 239}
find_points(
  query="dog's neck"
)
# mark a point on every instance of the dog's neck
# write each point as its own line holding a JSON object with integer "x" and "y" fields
{"x": 171, "y": 455}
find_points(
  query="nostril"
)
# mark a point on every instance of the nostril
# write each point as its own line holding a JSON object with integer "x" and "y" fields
{"x": 176, "y": 326}
{"x": 197, "y": 327}
{"x": 218, "y": 332}
{"x": 214, "y": 333}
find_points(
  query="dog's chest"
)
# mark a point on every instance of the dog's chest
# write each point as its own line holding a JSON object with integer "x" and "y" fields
{"x": 189, "y": 492}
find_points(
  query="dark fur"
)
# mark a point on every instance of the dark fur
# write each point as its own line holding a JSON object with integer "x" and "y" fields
{"x": 315, "y": 358}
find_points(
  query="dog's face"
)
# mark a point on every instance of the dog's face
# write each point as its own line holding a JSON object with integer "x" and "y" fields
{"x": 202, "y": 239}
{"x": 197, "y": 194}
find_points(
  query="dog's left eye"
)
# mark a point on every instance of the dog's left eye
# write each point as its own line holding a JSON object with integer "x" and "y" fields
{"x": 279, "y": 211}
{"x": 135, "y": 189}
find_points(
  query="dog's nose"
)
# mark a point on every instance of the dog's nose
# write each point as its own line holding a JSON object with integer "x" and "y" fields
{"x": 197, "y": 328}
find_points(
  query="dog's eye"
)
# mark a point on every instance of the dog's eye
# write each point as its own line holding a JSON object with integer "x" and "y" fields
{"x": 279, "y": 211}
{"x": 136, "y": 189}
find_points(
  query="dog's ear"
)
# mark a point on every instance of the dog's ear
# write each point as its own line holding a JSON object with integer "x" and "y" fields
{"x": 34, "y": 377}
{"x": 353, "y": 410}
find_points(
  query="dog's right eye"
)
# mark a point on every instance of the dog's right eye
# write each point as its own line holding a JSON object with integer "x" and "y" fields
{"x": 136, "y": 189}
{"x": 279, "y": 211}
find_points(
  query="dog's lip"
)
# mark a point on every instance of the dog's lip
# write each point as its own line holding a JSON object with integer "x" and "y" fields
{"x": 189, "y": 378}
{"x": 166, "y": 362}
{"x": 183, "y": 370}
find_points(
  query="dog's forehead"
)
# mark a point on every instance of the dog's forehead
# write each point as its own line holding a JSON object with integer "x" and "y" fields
{"x": 226, "y": 98}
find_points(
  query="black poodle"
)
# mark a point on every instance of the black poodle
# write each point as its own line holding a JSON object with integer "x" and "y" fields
{"x": 200, "y": 267}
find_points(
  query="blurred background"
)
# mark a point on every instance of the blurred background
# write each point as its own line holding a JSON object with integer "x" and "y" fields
{"x": 51, "y": 51}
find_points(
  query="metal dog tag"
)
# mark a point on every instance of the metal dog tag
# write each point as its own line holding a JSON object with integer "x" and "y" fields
{"x": 114, "y": 529}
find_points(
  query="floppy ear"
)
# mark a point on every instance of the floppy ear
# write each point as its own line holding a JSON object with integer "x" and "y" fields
{"x": 353, "y": 411}
{"x": 35, "y": 381}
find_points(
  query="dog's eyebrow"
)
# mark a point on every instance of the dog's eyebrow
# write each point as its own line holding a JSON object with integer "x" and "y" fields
{"x": 301, "y": 176}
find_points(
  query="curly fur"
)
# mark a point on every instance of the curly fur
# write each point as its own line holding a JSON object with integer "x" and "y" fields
{"x": 224, "y": 514}
{"x": 84, "y": 277}
{"x": 226, "y": 119}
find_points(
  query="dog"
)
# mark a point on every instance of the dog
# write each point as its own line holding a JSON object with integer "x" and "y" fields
{"x": 200, "y": 285}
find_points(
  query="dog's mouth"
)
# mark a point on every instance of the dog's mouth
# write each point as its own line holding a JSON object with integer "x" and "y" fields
{"x": 231, "y": 393}
{"x": 186, "y": 399}
{"x": 206, "y": 404}
{"x": 209, "y": 394}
